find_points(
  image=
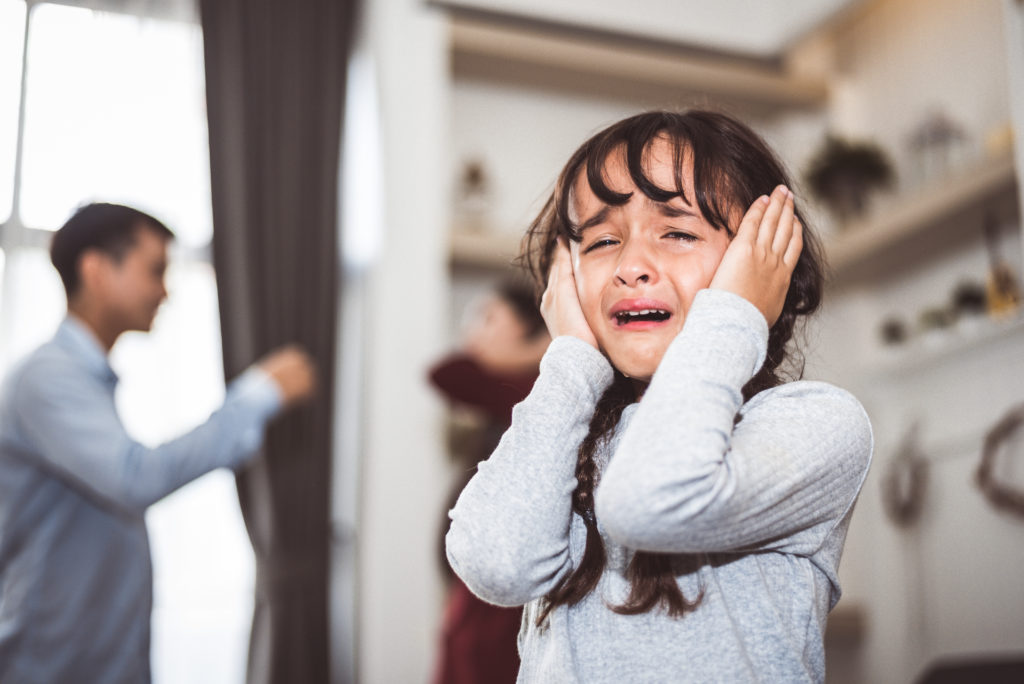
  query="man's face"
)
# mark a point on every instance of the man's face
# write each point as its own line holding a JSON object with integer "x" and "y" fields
{"x": 132, "y": 289}
{"x": 639, "y": 265}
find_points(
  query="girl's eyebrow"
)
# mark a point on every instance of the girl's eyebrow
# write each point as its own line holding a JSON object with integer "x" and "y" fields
{"x": 596, "y": 219}
{"x": 670, "y": 211}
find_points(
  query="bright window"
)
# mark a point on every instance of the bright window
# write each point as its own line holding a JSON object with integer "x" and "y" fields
{"x": 33, "y": 302}
{"x": 115, "y": 111}
{"x": 12, "y": 34}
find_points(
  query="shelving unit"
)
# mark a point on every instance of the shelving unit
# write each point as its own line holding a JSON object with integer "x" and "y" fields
{"x": 912, "y": 227}
{"x": 616, "y": 66}
{"x": 905, "y": 235}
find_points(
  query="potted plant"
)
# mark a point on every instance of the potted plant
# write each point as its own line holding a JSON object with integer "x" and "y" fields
{"x": 844, "y": 172}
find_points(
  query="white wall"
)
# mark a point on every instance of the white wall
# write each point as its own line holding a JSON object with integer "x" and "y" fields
{"x": 949, "y": 584}
{"x": 523, "y": 136}
{"x": 404, "y": 478}
{"x": 906, "y": 58}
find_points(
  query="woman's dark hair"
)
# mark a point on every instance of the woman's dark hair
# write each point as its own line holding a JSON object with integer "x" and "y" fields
{"x": 109, "y": 228}
{"x": 732, "y": 167}
{"x": 519, "y": 295}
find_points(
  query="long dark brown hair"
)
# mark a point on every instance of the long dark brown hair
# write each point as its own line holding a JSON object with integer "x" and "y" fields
{"x": 732, "y": 167}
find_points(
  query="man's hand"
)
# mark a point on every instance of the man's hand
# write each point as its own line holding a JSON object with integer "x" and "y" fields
{"x": 759, "y": 262}
{"x": 292, "y": 369}
{"x": 560, "y": 305}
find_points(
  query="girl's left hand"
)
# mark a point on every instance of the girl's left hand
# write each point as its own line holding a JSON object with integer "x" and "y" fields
{"x": 759, "y": 262}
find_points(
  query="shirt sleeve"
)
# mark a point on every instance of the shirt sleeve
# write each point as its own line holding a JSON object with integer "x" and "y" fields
{"x": 509, "y": 535}
{"x": 68, "y": 420}
{"x": 686, "y": 477}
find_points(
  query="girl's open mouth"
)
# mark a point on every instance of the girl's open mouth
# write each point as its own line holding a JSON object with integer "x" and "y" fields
{"x": 641, "y": 318}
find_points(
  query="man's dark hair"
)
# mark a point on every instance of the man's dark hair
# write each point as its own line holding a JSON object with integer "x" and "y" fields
{"x": 109, "y": 228}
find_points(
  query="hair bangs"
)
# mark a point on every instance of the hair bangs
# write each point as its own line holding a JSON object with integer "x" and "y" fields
{"x": 590, "y": 160}
{"x": 632, "y": 140}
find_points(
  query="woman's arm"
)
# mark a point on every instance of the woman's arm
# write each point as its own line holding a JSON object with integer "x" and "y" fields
{"x": 686, "y": 479}
{"x": 509, "y": 536}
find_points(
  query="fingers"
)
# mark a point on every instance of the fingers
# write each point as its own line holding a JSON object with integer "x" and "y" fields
{"x": 560, "y": 304}
{"x": 759, "y": 263}
{"x": 796, "y": 245}
{"x": 769, "y": 225}
{"x": 748, "y": 227}
{"x": 561, "y": 263}
{"x": 784, "y": 229}
{"x": 563, "y": 256}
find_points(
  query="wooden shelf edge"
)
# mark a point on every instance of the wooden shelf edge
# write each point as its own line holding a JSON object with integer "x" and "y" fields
{"x": 481, "y": 249}
{"x": 912, "y": 216}
{"x": 575, "y": 54}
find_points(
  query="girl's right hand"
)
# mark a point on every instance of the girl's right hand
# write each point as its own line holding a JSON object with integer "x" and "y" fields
{"x": 759, "y": 262}
{"x": 560, "y": 305}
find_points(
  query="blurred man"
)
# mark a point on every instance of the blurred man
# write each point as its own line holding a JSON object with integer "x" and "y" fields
{"x": 75, "y": 573}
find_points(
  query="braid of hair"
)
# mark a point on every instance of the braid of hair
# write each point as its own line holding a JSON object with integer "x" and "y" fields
{"x": 581, "y": 581}
{"x": 586, "y": 476}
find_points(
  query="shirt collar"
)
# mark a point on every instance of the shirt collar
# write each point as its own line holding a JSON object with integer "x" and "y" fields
{"x": 77, "y": 338}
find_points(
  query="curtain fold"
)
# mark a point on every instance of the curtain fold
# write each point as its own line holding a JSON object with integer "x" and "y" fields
{"x": 275, "y": 83}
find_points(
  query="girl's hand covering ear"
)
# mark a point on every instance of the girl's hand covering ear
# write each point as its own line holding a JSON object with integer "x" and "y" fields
{"x": 560, "y": 305}
{"x": 759, "y": 262}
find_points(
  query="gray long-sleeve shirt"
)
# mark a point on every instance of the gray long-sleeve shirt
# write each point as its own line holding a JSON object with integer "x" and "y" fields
{"x": 762, "y": 505}
{"x": 75, "y": 574}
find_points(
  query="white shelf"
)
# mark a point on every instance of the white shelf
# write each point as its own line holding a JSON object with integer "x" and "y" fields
{"x": 930, "y": 349}
{"x": 864, "y": 248}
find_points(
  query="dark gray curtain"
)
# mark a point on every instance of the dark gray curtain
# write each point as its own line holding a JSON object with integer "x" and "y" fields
{"x": 275, "y": 80}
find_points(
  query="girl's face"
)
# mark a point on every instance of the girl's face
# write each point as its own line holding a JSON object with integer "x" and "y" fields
{"x": 639, "y": 265}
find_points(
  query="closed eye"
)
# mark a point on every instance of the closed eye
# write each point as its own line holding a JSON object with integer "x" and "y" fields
{"x": 597, "y": 244}
{"x": 680, "y": 235}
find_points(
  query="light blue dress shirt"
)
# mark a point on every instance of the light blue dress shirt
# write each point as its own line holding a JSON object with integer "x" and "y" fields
{"x": 75, "y": 574}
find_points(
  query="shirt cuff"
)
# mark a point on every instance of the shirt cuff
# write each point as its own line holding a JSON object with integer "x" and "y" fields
{"x": 726, "y": 329}
{"x": 255, "y": 388}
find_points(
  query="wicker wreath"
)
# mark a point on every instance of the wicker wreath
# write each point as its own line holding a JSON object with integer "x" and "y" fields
{"x": 1000, "y": 495}
{"x": 904, "y": 482}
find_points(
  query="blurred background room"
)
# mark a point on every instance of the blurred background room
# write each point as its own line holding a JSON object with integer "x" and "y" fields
{"x": 450, "y": 119}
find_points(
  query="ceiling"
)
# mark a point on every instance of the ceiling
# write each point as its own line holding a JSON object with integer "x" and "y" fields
{"x": 758, "y": 29}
